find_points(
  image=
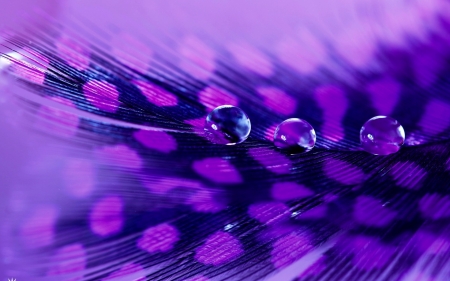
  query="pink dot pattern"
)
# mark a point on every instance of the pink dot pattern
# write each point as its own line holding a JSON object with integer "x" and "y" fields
{"x": 273, "y": 161}
{"x": 334, "y": 104}
{"x": 120, "y": 156}
{"x": 132, "y": 52}
{"x": 173, "y": 206}
{"x": 126, "y": 271}
{"x": 68, "y": 262}
{"x": 218, "y": 249}
{"x": 160, "y": 238}
{"x": 343, "y": 172}
{"x": 290, "y": 248}
{"x": 217, "y": 170}
{"x": 106, "y": 217}
{"x": 38, "y": 230}
{"x": 58, "y": 120}
{"x": 79, "y": 177}
{"x": 75, "y": 54}
{"x": 197, "y": 58}
{"x": 278, "y": 100}
{"x": 251, "y": 58}
{"x": 102, "y": 95}
{"x": 284, "y": 191}
{"x": 213, "y": 96}
{"x": 157, "y": 140}
{"x": 268, "y": 212}
{"x": 155, "y": 94}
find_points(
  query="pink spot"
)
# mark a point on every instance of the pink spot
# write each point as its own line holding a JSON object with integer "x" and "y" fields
{"x": 212, "y": 97}
{"x": 106, "y": 216}
{"x": 79, "y": 177}
{"x": 69, "y": 260}
{"x": 130, "y": 270}
{"x": 157, "y": 140}
{"x": 434, "y": 206}
{"x": 58, "y": 121}
{"x": 284, "y": 191}
{"x": 304, "y": 54}
{"x": 251, "y": 58}
{"x": 38, "y": 230}
{"x": 289, "y": 249}
{"x": 278, "y": 100}
{"x": 314, "y": 213}
{"x": 332, "y": 131}
{"x": 165, "y": 185}
{"x": 197, "y": 58}
{"x": 426, "y": 242}
{"x": 271, "y": 160}
{"x": 369, "y": 254}
{"x": 204, "y": 202}
{"x": 160, "y": 238}
{"x": 274, "y": 231}
{"x": 217, "y": 170}
{"x": 343, "y": 172}
{"x": 102, "y": 95}
{"x": 439, "y": 246}
{"x": 408, "y": 174}
{"x": 270, "y": 132}
{"x": 31, "y": 66}
{"x": 369, "y": 211}
{"x": 385, "y": 94}
{"x": 73, "y": 52}
{"x": 436, "y": 118}
{"x": 334, "y": 104}
{"x": 219, "y": 248}
{"x": 268, "y": 212}
{"x": 155, "y": 94}
{"x": 131, "y": 52}
{"x": 198, "y": 123}
{"x": 119, "y": 155}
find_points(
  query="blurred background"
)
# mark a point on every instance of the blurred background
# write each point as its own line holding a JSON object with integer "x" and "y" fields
{"x": 105, "y": 173}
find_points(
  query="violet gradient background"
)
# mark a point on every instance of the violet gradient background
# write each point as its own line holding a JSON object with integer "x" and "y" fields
{"x": 296, "y": 33}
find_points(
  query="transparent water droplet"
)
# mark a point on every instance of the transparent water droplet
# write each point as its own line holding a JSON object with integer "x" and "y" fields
{"x": 295, "y": 135}
{"x": 228, "y": 125}
{"x": 382, "y": 135}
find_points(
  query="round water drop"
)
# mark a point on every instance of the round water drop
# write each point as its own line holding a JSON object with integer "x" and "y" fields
{"x": 228, "y": 125}
{"x": 295, "y": 135}
{"x": 382, "y": 135}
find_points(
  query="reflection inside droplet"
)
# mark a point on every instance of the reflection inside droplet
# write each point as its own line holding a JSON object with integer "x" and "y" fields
{"x": 295, "y": 135}
{"x": 230, "y": 125}
{"x": 382, "y": 135}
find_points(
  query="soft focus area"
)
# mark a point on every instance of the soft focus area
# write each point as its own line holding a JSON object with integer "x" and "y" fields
{"x": 106, "y": 172}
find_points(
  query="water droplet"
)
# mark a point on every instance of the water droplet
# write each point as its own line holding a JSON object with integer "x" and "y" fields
{"x": 295, "y": 135}
{"x": 228, "y": 125}
{"x": 382, "y": 135}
